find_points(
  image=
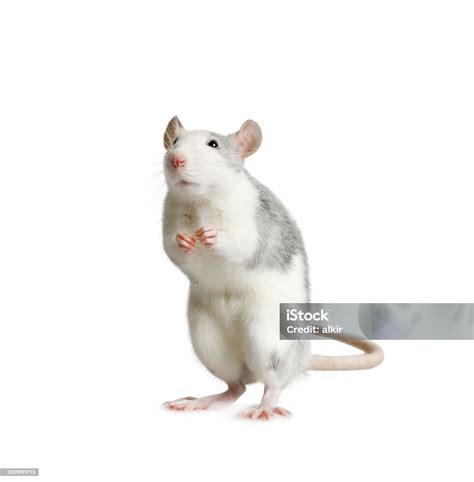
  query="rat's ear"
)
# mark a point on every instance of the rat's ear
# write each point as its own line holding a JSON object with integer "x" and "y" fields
{"x": 248, "y": 138}
{"x": 173, "y": 130}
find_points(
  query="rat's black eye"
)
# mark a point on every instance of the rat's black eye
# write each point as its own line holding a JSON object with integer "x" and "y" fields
{"x": 175, "y": 141}
{"x": 213, "y": 144}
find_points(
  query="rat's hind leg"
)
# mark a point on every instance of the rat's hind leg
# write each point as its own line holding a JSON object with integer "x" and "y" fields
{"x": 213, "y": 348}
{"x": 275, "y": 363}
{"x": 211, "y": 401}
{"x": 279, "y": 371}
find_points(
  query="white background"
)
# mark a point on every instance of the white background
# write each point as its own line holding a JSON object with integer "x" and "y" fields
{"x": 367, "y": 113}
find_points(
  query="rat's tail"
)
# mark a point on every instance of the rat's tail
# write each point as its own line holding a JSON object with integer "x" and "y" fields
{"x": 373, "y": 356}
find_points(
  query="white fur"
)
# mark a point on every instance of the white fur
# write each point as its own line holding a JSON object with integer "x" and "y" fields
{"x": 233, "y": 311}
{"x": 233, "y": 308}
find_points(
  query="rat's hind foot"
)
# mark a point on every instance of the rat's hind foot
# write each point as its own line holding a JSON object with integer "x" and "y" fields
{"x": 188, "y": 404}
{"x": 267, "y": 408}
{"x": 264, "y": 413}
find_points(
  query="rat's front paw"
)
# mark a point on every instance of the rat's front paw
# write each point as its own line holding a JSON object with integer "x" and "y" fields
{"x": 207, "y": 235}
{"x": 185, "y": 242}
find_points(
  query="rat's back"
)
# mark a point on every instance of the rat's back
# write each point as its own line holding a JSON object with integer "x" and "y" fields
{"x": 280, "y": 243}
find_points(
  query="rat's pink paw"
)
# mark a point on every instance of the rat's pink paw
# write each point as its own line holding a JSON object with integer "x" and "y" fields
{"x": 185, "y": 242}
{"x": 181, "y": 404}
{"x": 283, "y": 412}
{"x": 207, "y": 235}
{"x": 188, "y": 404}
{"x": 265, "y": 413}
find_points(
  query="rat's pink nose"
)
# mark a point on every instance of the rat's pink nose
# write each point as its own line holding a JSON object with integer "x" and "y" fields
{"x": 178, "y": 161}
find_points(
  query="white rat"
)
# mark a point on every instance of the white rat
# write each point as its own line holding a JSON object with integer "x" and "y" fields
{"x": 244, "y": 255}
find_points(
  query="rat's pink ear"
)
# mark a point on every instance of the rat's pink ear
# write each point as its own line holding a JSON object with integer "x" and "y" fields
{"x": 248, "y": 138}
{"x": 173, "y": 131}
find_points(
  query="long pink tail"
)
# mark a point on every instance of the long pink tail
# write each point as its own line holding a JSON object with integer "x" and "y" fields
{"x": 372, "y": 356}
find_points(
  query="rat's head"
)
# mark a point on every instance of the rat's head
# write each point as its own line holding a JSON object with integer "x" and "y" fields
{"x": 198, "y": 163}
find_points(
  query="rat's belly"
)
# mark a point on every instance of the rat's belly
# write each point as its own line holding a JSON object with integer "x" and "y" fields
{"x": 225, "y": 282}
{"x": 214, "y": 273}
{"x": 234, "y": 318}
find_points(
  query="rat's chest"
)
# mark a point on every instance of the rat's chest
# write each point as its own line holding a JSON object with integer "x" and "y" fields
{"x": 195, "y": 217}
{"x": 211, "y": 266}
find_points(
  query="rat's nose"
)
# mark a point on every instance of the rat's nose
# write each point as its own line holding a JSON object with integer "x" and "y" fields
{"x": 177, "y": 161}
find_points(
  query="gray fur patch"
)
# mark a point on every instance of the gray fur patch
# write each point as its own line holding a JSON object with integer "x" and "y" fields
{"x": 246, "y": 375}
{"x": 274, "y": 362}
{"x": 279, "y": 238}
{"x": 229, "y": 150}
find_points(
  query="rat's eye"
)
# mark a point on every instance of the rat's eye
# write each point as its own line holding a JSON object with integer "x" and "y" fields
{"x": 175, "y": 141}
{"x": 213, "y": 144}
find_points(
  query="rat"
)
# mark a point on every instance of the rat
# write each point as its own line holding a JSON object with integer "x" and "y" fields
{"x": 243, "y": 254}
